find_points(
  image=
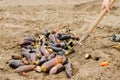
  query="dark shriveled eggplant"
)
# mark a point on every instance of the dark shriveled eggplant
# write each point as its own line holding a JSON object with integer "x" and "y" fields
{"x": 56, "y": 49}
{"x": 69, "y": 70}
{"x": 15, "y": 63}
{"x": 64, "y": 37}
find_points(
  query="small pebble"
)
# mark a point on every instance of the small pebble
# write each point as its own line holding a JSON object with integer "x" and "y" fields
{"x": 87, "y": 56}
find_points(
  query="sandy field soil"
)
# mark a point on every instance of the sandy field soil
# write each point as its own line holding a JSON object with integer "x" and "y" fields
{"x": 18, "y": 17}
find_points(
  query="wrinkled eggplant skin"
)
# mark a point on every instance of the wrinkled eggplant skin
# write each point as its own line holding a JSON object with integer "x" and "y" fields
{"x": 69, "y": 70}
{"x": 24, "y": 68}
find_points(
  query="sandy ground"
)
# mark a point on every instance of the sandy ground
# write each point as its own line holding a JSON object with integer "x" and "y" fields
{"x": 20, "y": 16}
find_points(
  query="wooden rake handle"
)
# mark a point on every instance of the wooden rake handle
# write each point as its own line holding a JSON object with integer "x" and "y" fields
{"x": 96, "y": 22}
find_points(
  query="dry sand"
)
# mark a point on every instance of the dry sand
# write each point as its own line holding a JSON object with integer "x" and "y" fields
{"x": 20, "y": 16}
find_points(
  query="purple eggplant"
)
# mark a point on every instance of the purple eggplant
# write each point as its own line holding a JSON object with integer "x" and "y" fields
{"x": 69, "y": 70}
{"x": 62, "y": 44}
{"x": 15, "y": 63}
{"x": 56, "y": 49}
{"x": 45, "y": 67}
{"x": 56, "y": 69}
{"x": 24, "y": 68}
{"x": 65, "y": 37}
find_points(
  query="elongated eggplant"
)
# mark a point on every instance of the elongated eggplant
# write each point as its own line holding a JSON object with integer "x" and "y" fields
{"x": 24, "y": 68}
{"x": 56, "y": 69}
{"x": 45, "y": 67}
{"x": 15, "y": 63}
{"x": 55, "y": 45}
{"x": 44, "y": 51}
{"x": 28, "y": 40}
{"x": 24, "y": 44}
{"x": 56, "y": 49}
{"x": 52, "y": 38}
{"x": 69, "y": 70}
{"x": 65, "y": 37}
{"x": 49, "y": 64}
{"x": 62, "y": 44}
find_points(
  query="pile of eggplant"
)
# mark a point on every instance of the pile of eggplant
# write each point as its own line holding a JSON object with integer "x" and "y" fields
{"x": 45, "y": 52}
